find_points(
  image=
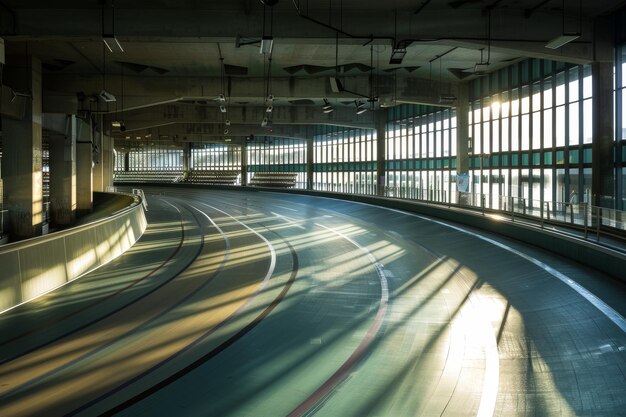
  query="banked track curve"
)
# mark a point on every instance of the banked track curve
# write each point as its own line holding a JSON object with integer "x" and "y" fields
{"x": 272, "y": 305}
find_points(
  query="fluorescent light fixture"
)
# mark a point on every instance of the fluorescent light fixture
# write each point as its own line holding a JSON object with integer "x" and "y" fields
{"x": 397, "y": 55}
{"x": 446, "y": 99}
{"x": 226, "y": 131}
{"x": 270, "y": 98}
{"x": 227, "y": 139}
{"x": 112, "y": 43}
{"x": 481, "y": 67}
{"x": 222, "y": 108}
{"x": 227, "y": 122}
{"x": 561, "y": 40}
{"x": 327, "y": 107}
{"x": 116, "y": 123}
{"x": 106, "y": 96}
{"x": 360, "y": 107}
{"x": 269, "y": 109}
{"x": 267, "y": 44}
{"x": 221, "y": 98}
{"x": 266, "y": 122}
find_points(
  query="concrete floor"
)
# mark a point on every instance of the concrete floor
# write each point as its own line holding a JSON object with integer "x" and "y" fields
{"x": 260, "y": 304}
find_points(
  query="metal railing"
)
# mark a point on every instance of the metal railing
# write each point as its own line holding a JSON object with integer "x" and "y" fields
{"x": 591, "y": 219}
{"x": 139, "y": 192}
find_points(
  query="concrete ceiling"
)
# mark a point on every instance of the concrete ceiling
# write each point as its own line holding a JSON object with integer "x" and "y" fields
{"x": 172, "y": 50}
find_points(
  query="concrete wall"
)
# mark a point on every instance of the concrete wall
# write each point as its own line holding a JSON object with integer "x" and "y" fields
{"x": 33, "y": 267}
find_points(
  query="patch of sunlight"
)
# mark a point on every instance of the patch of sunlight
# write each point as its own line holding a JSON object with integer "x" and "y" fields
{"x": 81, "y": 263}
{"x": 497, "y": 217}
{"x": 44, "y": 281}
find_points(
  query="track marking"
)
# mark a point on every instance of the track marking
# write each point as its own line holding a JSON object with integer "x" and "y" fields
{"x": 343, "y": 371}
{"x": 604, "y": 308}
{"x": 229, "y": 342}
{"x": 132, "y": 284}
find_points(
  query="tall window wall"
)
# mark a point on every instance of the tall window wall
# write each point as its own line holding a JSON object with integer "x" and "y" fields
{"x": 531, "y": 133}
{"x": 155, "y": 158}
{"x": 277, "y": 155}
{"x": 344, "y": 160}
{"x": 118, "y": 165}
{"x": 420, "y": 153}
{"x": 215, "y": 157}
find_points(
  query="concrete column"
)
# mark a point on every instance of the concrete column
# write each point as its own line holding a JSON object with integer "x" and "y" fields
{"x": 244, "y": 165}
{"x": 84, "y": 163}
{"x": 309, "y": 158}
{"x": 380, "y": 120}
{"x": 100, "y": 171}
{"x": 462, "y": 137}
{"x": 106, "y": 162}
{"x": 63, "y": 175}
{"x": 186, "y": 157}
{"x": 22, "y": 151}
{"x": 602, "y": 163}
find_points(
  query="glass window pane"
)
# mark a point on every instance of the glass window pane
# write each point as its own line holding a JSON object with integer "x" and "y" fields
{"x": 573, "y": 124}
{"x": 587, "y": 121}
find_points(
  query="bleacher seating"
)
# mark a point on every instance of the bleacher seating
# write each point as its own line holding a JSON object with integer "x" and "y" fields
{"x": 274, "y": 179}
{"x": 213, "y": 177}
{"x": 147, "y": 176}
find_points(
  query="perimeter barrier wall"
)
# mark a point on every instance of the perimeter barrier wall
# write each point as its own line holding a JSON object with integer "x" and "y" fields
{"x": 36, "y": 266}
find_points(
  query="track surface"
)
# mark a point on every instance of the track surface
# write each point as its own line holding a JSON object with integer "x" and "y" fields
{"x": 262, "y": 304}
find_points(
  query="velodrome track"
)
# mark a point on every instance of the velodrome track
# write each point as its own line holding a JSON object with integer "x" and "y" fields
{"x": 265, "y": 304}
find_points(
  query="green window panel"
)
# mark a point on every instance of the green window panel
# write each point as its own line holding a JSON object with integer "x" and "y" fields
{"x": 573, "y": 156}
{"x": 587, "y": 155}
{"x": 515, "y": 160}
{"x": 560, "y": 157}
{"x": 547, "y": 158}
{"x": 495, "y": 160}
{"x": 536, "y": 158}
{"x": 525, "y": 159}
{"x": 505, "y": 160}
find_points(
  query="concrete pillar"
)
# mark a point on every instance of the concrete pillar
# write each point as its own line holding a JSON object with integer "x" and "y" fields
{"x": 462, "y": 138}
{"x": 309, "y": 157}
{"x": 186, "y": 157}
{"x": 63, "y": 175}
{"x": 244, "y": 164}
{"x": 84, "y": 173}
{"x": 380, "y": 120}
{"x": 602, "y": 163}
{"x": 22, "y": 151}
{"x": 102, "y": 158}
{"x": 106, "y": 162}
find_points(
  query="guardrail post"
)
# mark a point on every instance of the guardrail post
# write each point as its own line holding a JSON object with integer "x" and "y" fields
{"x": 586, "y": 207}
{"x": 524, "y": 206}
{"x": 598, "y": 221}
{"x": 571, "y": 213}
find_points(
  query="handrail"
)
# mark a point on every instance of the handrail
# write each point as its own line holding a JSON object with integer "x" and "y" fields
{"x": 22, "y": 244}
{"x": 33, "y": 267}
